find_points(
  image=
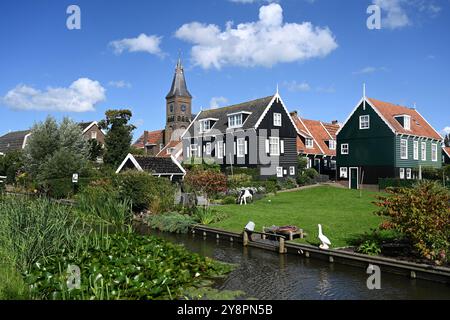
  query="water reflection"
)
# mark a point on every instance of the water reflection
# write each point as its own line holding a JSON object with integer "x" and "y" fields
{"x": 267, "y": 275}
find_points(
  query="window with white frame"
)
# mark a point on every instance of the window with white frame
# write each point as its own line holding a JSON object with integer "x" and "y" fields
{"x": 235, "y": 120}
{"x": 240, "y": 147}
{"x": 343, "y": 172}
{"x": 332, "y": 144}
{"x": 94, "y": 135}
{"x": 274, "y": 146}
{"x": 423, "y": 151}
{"x": 416, "y": 150}
{"x": 309, "y": 143}
{"x": 344, "y": 148}
{"x": 208, "y": 148}
{"x": 277, "y": 119}
{"x": 333, "y": 164}
{"x": 407, "y": 122}
{"x": 364, "y": 122}
{"x": 292, "y": 171}
{"x": 219, "y": 149}
{"x": 408, "y": 173}
{"x": 404, "y": 149}
{"x": 402, "y": 173}
{"x": 205, "y": 125}
{"x": 170, "y": 150}
{"x": 194, "y": 149}
{"x": 280, "y": 172}
{"x": 434, "y": 153}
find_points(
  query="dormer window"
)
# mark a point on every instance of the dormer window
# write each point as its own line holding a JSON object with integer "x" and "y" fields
{"x": 309, "y": 143}
{"x": 207, "y": 124}
{"x": 236, "y": 120}
{"x": 332, "y": 144}
{"x": 404, "y": 120}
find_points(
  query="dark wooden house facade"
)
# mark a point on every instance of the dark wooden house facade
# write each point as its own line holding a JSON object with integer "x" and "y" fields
{"x": 384, "y": 140}
{"x": 256, "y": 134}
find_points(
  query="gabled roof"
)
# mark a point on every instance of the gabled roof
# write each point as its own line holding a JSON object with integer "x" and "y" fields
{"x": 154, "y": 165}
{"x": 388, "y": 111}
{"x": 255, "y": 108}
{"x": 179, "y": 87}
{"x": 419, "y": 126}
{"x": 176, "y": 145}
{"x": 13, "y": 141}
{"x": 320, "y": 132}
{"x": 152, "y": 139}
{"x": 447, "y": 151}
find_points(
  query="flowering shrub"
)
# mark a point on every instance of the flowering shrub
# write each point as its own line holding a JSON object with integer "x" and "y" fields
{"x": 207, "y": 182}
{"x": 422, "y": 214}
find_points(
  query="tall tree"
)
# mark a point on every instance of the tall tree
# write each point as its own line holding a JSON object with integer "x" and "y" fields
{"x": 55, "y": 151}
{"x": 118, "y": 136}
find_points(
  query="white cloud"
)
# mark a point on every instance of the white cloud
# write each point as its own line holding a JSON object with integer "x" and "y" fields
{"x": 217, "y": 102}
{"x": 446, "y": 130}
{"x": 294, "y": 86}
{"x": 265, "y": 42}
{"x": 119, "y": 84}
{"x": 142, "y": 43}
{"x": 252, "y": 1}
{"x": 397, "y": 14}
{"x": 81, "y": 96}
{"x": 370, "y": 69}
{"x": 394, "y": 15}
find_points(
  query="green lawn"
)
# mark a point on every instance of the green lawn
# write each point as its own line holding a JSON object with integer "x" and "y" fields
{"x": 342, "y": 213}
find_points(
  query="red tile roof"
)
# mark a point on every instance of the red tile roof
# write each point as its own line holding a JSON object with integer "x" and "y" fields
{"x": 419, "y": 126}
{"x": 320, "y": 132}
{"x": 154, "y": 137}
{"x": 172, "y": 144}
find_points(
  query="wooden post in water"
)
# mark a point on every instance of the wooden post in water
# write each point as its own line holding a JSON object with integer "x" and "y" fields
{"x": 245, "y": 238}
{"x": 281, "y": 249}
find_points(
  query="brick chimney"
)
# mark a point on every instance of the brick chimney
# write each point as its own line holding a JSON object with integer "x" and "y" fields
{"x": 294, "y": 113}
{"x": 145, "y": 141}
{"x": 334, "y": 122}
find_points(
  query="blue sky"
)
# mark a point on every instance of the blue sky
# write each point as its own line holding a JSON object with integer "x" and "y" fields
{"x": 320, "y": 52}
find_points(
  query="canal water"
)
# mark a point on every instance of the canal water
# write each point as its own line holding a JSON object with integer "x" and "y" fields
{"x": 267, "y": 275}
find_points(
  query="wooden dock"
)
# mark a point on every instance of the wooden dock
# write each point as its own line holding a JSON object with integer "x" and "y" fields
{"x": 281, "y": 245}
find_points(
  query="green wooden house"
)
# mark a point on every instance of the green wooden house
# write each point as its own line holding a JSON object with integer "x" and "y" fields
{"x": 384, "y": 140}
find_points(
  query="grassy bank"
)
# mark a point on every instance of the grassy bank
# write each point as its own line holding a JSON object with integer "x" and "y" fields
{"x": 342, "y": 213}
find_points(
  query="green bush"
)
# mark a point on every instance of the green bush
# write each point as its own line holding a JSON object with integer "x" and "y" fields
{"x": 311, "y": 173}
{"x": 384, "y": 183}
{"x": 102, "y": 201}
{"x": 146, "y": 191}
{"x": 422, "y": 214}
{"x": 303, "y": 180}
{"x": 63, "y": 188}
{"x": 171, "y": 222}
{"x": 229, "y": 200}
{"x": 287, "y": 184}
{"x": 239, "y": 181}
{"x": 207, "y": 215}
{"x": 369, "y": 247}
{"x": 254, "y": 173}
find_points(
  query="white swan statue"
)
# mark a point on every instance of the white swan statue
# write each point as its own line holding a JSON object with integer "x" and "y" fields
{"x": 325, "y": 241}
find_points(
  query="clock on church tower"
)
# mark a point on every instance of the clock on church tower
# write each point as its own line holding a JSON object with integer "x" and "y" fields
{"x": 178, "y": 104}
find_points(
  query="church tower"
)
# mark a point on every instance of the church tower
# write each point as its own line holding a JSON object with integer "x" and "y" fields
{"x": 178, "y": 104}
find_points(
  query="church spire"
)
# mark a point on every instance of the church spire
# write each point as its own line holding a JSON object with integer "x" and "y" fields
{"x": 179, "y": 87}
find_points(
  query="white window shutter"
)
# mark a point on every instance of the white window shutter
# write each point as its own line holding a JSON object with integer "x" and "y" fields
{"x": 246, "y": 147}
{"x": 267, "y": 146}
{"x": 282, "y": 146}
{"x": 224, "y": 149}
{"x": 188, "y": 153}
{"x": 199, "y": 151}
{"x": 235, "y": 148}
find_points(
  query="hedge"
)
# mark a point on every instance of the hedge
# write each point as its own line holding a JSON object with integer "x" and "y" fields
{"x": 63, "y": 187}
